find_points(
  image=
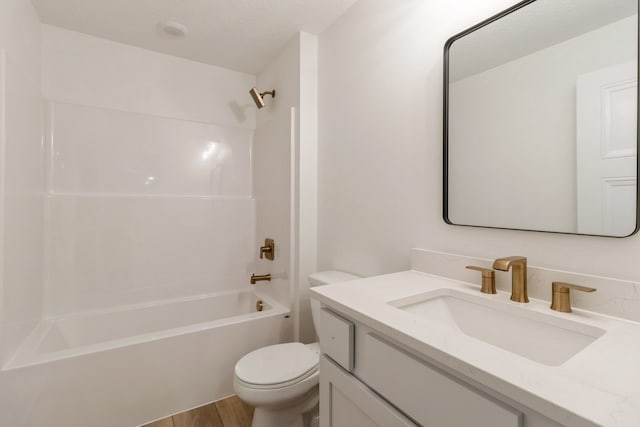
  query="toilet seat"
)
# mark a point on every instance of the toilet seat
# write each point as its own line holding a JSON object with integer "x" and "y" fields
{"x": 277, "y": 366}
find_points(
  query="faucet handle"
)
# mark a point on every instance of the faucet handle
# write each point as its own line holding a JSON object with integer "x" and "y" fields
{"x": 560, "y": 295}
{"x": 268, "y": 250}
{"x": 488, "y": 279}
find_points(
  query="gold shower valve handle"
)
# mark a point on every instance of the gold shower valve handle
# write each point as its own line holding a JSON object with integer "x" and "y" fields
{"x": 268, "y": 250}
{"x": 560, "y": 300}
{"x": 488, "y": 279}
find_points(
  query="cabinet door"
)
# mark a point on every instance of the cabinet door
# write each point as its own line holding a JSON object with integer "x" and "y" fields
{"x": 346, "y": 402}
{"x": 423, "y": 392}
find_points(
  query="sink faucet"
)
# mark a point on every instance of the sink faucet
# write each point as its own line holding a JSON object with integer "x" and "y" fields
{"x": 518, "y": 266}
{"x": 560, "y": 297}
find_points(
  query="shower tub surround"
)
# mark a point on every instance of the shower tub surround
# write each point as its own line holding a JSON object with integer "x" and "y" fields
{"x": 142, "y": 208}
{"x": 149, "y": 242}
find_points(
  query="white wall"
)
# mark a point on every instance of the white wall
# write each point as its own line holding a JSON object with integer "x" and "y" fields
{"x": 274, "y": 148}
{"x": 500, "y": 147}
{"x": 21, "y": 172}
{"x": 149, "y": 175}
{"x": 87, "y": 70}
{"x": 307, "y": 181}
{"x": 285, "y": 174}
{"x": 380, "y": 155}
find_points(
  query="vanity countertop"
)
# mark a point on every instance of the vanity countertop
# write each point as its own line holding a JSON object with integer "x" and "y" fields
{"x": 598, "y": 386}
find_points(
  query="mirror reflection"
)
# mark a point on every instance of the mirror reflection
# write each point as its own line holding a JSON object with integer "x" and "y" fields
{"x": 541, "y": 129}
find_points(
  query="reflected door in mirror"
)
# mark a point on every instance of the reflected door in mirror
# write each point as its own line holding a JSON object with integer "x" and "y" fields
{"x": 606, "y": 151}
{"x": 514, "y": 135}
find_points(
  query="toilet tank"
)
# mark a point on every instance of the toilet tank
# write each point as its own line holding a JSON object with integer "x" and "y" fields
{"x": 325, "y": 278}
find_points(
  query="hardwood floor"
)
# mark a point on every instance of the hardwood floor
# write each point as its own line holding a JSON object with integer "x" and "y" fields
{"x": 234, "y": 412}
{"x": 230, "y": 412}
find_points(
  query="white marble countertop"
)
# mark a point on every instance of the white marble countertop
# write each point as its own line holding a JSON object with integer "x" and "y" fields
{"x": 598, "y": 386}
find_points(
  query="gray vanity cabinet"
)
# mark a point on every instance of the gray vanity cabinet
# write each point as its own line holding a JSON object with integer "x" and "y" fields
{"x": 347, "y": 402}
{"x": 367, "y": 380}
{"x": 425, "y": 393}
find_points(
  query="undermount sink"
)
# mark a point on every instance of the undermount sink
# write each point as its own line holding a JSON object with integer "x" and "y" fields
{"x": 542, "y": 338}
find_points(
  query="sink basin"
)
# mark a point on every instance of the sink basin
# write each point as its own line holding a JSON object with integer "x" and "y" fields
{"x": 536, "y": 336}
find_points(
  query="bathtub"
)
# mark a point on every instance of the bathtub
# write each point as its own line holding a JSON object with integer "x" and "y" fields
{"x": 132, "y": 365}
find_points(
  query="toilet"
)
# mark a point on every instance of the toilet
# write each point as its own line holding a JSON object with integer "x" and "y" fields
{"x": 281, "y": 381}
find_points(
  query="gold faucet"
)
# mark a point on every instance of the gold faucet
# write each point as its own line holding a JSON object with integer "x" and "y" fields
{"x": 518, "y": 266}
{"x": 259, "y": 278}
{"x": 560, "y": 296}
{"x": 488, "y": 279}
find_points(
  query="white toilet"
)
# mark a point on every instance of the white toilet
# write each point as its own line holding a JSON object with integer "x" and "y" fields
{"x": 281, "y": 381}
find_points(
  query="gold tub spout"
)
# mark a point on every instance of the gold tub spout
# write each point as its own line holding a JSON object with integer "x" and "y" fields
{"x": 258, "y": 278}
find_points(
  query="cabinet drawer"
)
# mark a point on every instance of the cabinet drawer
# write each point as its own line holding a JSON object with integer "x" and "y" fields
{"x": 346, "y": 402}
{"x": 336, "y": 338}
{"x": 425, "y": 393}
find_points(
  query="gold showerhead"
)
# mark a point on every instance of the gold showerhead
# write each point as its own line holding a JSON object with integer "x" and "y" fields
{"x": 258, "y": 97}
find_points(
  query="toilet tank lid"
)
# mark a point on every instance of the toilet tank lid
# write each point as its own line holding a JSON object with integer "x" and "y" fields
{"x": 326, "y": 277}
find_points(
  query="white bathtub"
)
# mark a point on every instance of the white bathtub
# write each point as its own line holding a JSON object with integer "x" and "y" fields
{"x": 132, "y": 365}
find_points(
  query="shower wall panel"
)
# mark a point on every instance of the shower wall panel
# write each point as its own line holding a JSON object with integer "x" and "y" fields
{"x": 21, "y": 174}
{"x": 101, "y": 151}
{"x": 142, "y": 208}
{"x": 272, "y": 189}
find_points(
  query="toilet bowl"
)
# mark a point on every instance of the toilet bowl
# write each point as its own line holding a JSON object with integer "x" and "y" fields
{"x": 281, "y": 381}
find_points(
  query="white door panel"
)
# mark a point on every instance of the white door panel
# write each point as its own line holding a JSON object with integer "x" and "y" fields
{"x": 606, "y": 150}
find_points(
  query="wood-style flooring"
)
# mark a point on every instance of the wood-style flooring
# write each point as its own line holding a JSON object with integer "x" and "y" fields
{"x": 230, "y": 412}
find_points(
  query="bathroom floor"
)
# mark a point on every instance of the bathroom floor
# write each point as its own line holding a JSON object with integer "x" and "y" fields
{"x": 229, "y": 412}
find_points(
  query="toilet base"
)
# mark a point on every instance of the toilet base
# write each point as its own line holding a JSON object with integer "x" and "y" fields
{"x": 286, "y": 416}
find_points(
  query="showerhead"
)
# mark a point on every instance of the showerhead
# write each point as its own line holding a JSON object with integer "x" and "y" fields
{"x": 258, "y": 97}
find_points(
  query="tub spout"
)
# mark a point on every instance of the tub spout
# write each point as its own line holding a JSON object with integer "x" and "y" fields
{"x": 258, "y": 278}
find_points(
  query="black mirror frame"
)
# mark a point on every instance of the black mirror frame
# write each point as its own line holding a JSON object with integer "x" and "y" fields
{"x": 445, "y": 130}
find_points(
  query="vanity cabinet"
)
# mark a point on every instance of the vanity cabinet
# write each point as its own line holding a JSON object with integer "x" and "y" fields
{"x": 367, "y": 379}
{"x": 347, "y": 402}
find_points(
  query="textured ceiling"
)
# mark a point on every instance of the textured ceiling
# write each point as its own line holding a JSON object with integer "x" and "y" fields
{"x": 242, "y": 35}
